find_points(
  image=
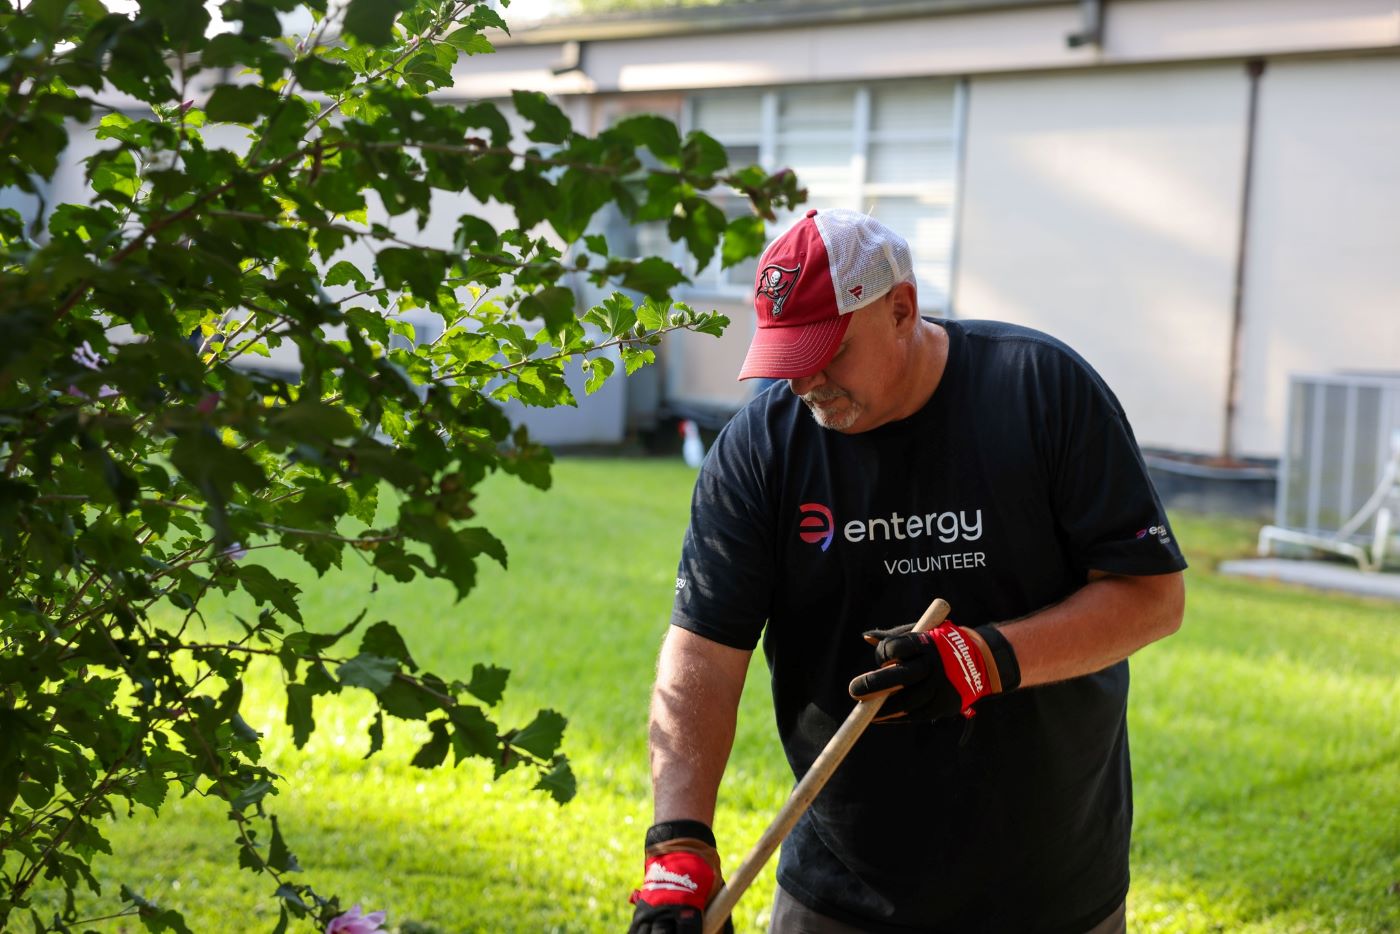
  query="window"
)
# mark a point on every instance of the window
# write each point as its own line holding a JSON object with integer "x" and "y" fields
{"x": 889, "y": 148}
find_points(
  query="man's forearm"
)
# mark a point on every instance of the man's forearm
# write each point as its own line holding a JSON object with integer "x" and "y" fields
{"x": 694, "y": 706}
{"x": 1100, "y": 624}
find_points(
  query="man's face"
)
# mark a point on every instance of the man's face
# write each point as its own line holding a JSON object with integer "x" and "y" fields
{"x": 859, "y": 389}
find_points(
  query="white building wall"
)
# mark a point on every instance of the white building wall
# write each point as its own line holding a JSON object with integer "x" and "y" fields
{"x": 865, "y": 43}
{"x": 1322, "y": 287}
{"x": 1101, "y": 188}
{"x": 1102, "y": 207}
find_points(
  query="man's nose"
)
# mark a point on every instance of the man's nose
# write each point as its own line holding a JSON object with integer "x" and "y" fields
{"x": 805, "y": 384}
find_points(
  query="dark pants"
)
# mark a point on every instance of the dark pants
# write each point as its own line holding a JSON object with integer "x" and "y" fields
{"x": 792, "y": 917}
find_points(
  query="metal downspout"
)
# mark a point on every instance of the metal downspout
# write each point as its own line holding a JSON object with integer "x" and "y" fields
{"x": 1254, "y": 69}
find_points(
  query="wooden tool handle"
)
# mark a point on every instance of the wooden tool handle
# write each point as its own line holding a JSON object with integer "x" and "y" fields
{"x": 806, "y": 791}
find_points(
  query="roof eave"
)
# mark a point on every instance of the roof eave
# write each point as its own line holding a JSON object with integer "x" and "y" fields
{"x": 735, "y": 17}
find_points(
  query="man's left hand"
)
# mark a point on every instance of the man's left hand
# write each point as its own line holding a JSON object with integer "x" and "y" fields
{"x": 933, "y": 674}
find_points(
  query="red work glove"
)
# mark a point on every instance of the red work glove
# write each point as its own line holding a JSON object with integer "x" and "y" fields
{"x": 937, "y": 673}
{"x": 682, "y": 873}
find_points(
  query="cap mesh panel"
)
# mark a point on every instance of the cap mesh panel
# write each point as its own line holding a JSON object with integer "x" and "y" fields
{"x": 867, "y": 259}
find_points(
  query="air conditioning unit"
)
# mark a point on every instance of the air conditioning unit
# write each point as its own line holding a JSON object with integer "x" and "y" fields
{"x": 1339, "y": 476}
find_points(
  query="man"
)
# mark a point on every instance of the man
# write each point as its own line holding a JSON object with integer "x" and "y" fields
{"x": 979, "y": 462}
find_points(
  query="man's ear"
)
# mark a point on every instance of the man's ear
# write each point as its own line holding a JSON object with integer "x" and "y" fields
{"x": 904, "y": 305}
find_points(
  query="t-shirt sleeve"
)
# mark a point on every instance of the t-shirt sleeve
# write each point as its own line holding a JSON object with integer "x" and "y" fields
{"x": 725, "y": 578}
{"x": 1105, "y": 503}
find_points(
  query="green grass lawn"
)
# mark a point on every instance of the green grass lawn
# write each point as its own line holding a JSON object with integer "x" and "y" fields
{"x": 1266, "y": 744}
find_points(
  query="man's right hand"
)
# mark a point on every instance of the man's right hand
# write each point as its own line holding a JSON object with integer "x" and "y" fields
{"x": 682, "y": 873}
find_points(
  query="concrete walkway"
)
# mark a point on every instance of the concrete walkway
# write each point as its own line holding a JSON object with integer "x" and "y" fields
{"x": 1320, "y": 575}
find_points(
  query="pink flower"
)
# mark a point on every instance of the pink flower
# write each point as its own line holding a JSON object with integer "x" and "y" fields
{"x": 86, "y": 356}
{"x": 353, "y": 922}
{"x": 103, "y": 392}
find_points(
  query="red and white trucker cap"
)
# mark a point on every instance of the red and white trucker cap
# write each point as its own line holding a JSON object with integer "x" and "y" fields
{"x": 827, "y": 265}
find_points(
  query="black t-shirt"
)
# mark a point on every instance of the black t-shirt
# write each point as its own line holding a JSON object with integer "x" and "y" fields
{"x": 1019, "y": 475}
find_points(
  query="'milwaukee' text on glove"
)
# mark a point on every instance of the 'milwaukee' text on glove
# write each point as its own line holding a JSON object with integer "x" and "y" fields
{"x": 681, "y": 875}
{"x": 938, "y": 673}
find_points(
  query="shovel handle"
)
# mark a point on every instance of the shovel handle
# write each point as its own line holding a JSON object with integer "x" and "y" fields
{"x": 722, "y": 905}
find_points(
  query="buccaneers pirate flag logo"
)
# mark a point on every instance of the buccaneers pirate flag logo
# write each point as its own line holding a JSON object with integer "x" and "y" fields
{"x": 776, "y": 283}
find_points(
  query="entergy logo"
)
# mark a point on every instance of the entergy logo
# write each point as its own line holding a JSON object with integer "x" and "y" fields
{"x": 816, "y": 525}
{"x": 1160, "y": 532}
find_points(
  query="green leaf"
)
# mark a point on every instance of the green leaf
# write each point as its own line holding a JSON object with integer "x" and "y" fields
{"x": 655, "y": 133}
{"x": 471, "y": 41}
{"x": 406, "y": 701}
{"x": 653, "y": 276}
{"x": 558, "y": 781}
{"x": 318, "y": 507}
{"x": 473, "y": 230}
{"x": 119, "y": 126}
{"x": 454, "y": 551}
{"x": 239, "y": 103}
{"x": 299, "y": 716}
{"x": 555, "y": 305}
{"x": 434, "y": 752}
{"x": 291, "y": 896}
{"x": 214, "y": 468}
{"x": 701, "y": 224}
{"x": 383, "y": 640}
{"x": 153, "y": 917}
{"x": 368, "y": 671}
{"x": 48, "y": 13}
{"x": 541, "y": 737}
{"x": 743, "y": 238}
{"x": 550, "y": 123}
{"x": 313, "y": 420}
{"x": 488, "y": 683}
{"x": 278, "y": 856}
{"x": 425, "y": 72}
{"x": 479, "y": 541}
{"x": 634, "y": 359}
{"x": 712, "y": 323}
{"x": 372, "y": 21}
{"x": 420, "y": 270}
{"x": 248, "y": 855}
{"x": 265, "y": 587}
{"x": 484, "y": 17}
{"x": 252, "y": 794}
{"x": 150, "y": 790}
{"x": 701, "y": 153}
{"x": 652, "y": 314}
{"x": 374, "y": 325}
{"x": 125, "y": 486}
{"x": 365, "y": 505}
{"x": 376, "y": 734}
{"x": 475, "y": 735}
{"x": 599, "y": 369}
{"x": 184, "y": 22}
{"x": 616, "y": 315}
{"x": 317, "y": 74}
{"x": 114, "y": 171}
{"x": 346, "y": 272}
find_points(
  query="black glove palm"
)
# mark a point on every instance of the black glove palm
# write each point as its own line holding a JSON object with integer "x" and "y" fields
{"x": 666, "y": 919}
